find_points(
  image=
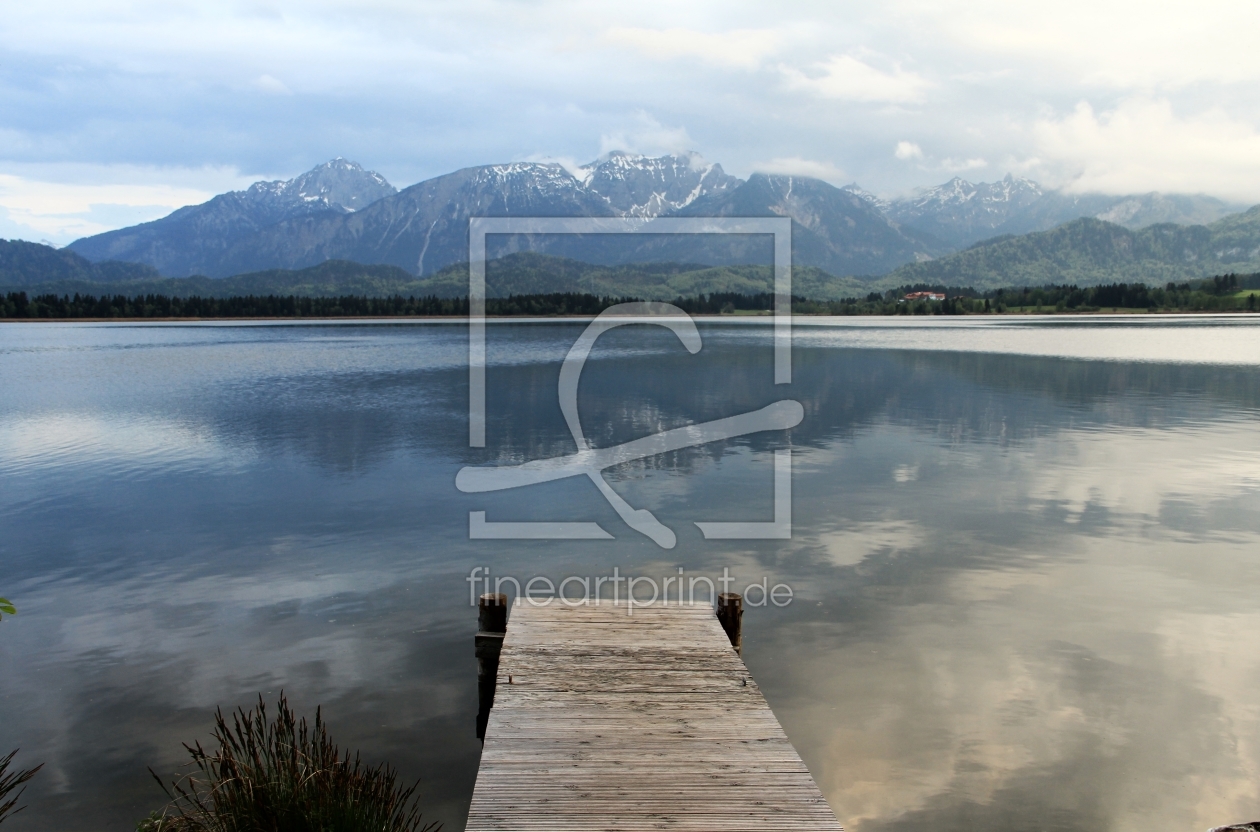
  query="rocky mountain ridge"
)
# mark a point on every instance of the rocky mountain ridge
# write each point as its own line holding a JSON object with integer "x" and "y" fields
{"x": 962, "y": 213}
{"x": 959, "y": 211}
{"x": 193, "y": 239}
{"x": 424, "y": 228}
{"x": 337, "y": 185}
{"x": 645, "y": 187}
{"x": 1086, "y": 251}
{"x": 339, "y": 211}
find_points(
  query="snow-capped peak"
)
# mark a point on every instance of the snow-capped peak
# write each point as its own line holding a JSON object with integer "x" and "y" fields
{"x": 879, "y": 203}
{"x": 630, "y": 185}
{"x": 649, "y": 186}
{"x": 336, "y": 185}
{"x": 958, "y": 191}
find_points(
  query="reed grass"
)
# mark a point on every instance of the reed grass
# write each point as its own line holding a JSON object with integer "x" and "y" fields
{"x": 279, "y": 775}
{"x": 11, "y": 782}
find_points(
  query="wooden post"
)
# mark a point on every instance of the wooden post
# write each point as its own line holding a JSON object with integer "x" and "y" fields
{"x": 730, "y": 613}
{"x": 492, "y": 613}
{"x": 492, "y": 610}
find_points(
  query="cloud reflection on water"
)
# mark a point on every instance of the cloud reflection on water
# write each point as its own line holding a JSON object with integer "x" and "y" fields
{"x": 1025, "y": 584}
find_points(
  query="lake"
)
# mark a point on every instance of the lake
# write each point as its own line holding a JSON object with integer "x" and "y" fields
{"x": 1024, "y": 559}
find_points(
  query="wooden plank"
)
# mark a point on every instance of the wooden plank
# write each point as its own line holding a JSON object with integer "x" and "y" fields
{"x": 628, "y": 719}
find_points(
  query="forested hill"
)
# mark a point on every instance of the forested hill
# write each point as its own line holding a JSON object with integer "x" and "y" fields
{"x": 529, "y": 273}
{"x": 64, "y": 272}
{"x": 1089, "y": 252}
{"x": 25, "y": 264}
{"x": 332, "y": 278}
{"x": 516, "y": 274}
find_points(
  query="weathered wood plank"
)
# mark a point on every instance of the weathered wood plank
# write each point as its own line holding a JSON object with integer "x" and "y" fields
{"x": 625, "y": 719}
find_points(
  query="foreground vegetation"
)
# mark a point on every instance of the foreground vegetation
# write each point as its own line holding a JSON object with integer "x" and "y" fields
{"x": 276, "y": 774}
{"x": 12, "y": 784}
{"x": 267, "y": 774}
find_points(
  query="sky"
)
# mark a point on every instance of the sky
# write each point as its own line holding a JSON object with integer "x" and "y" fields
{"x": 113, "y": 113}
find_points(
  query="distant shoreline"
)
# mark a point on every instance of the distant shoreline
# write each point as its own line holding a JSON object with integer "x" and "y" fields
{"x": 1225, "y": 293}
{"x": 705, "y": 316}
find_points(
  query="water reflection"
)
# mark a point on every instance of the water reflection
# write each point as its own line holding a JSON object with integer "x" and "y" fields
{"x": 1025, "y": 584}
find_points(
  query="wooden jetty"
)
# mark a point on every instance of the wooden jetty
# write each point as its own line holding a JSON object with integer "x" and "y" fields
{"x": 618, "y": 719}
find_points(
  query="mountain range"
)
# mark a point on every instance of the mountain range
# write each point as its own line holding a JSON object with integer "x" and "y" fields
{"x": 424, "y": 228}
{"x": 1089, "y": 251}
{"x": 195, "y": 239}
{"x": 1008, "y": 232}
{"x": 962, "y": 213}
{"x": 339, "y": 211}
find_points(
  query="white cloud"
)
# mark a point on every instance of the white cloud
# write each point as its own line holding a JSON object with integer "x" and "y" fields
{"x": 908, "y": 150}
{"x": 958, "y": 165}
{"x": 103, "y": 198}
{"x": 268, "y": 83}
{"x": 740, "y": 48}
{"x": 1143, "y": 145}
{"x": 648, "y": 136}
{"x": 1126, "y": 44}
{"x": 12, "y": 230}
{"x": 569, "y": 163}
{"x": 417, "y": 90}
{"x": 796, "y": 166}
{"x": 846, "y": 78}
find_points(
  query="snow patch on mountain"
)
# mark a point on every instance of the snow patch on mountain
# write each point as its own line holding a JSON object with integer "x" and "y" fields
{"x": 961, "y": 212}
{"x": 629, "y": 185}
{"x": 990, "y": 197}
{"x": 879, "y": 203}
{"x": 337, "y": 185}
{"x": 644, "y": 187}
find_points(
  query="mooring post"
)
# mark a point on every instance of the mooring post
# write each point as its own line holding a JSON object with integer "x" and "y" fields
{"x": 492, "y": 613}
{"x": 730, "y": 612}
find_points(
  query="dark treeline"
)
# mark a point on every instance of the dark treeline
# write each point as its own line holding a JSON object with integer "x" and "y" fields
{"x": 719, "y": 302}
{"x": 1225, "y": 293}
{"x": 19, "y": 305}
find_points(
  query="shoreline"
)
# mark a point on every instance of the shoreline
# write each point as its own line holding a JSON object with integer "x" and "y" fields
{"x": 699, "y": 315}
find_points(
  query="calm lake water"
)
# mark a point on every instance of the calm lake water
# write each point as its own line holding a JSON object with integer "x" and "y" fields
{"x": 1024, "y": 553}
